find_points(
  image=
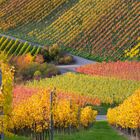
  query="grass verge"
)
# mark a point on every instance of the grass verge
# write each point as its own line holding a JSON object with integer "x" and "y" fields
{"x": 100, "y": 131}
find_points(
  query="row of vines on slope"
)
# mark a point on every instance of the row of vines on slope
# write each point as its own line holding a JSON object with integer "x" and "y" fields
{"x": 101, "y": 30}
{"x": 108, "y": 40}
{"x": 127, "y": 115}
{"x": 14, "y": 47}
{"x": 26, "y": 11}
{"x": 122, "y": 70}
{"x": 33, "y": 113}
{"x": 21, "y": 93}
{"x": 108, "y": 90}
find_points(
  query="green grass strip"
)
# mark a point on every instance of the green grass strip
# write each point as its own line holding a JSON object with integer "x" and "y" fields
{"x": 100, "y": 131}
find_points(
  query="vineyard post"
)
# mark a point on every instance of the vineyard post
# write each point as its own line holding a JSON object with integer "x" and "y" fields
{"x": 51, "y": 114}
{"x": 79, "y": 115}
{"x": 1, "y": 108}
{"x": 70, "y": 125}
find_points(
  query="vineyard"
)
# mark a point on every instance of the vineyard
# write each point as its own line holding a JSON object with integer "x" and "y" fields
{"x": 99, "y": 30}
{"x": 69, "y": 70}
{"x": 108, "y": 90}
{"x": 122, "y": 70}
{"x": 28, "y": 12}
{"x": 117, "y": 116}
{"x": 12, "y": 47}
{"x": 35, "y": 110}
{"x": 22, "y": 93}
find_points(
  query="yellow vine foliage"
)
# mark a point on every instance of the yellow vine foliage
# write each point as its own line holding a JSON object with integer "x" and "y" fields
{"x": 34, "y": 113}
{"x": 107, "y": 90}
{"x": 126, "y": 115}
{"x": 6, "y": 94}
{"x": 87, "y": 116}
{"x": 134, "y": 52}
{"x": 73, "y": 21}
{"x": 66, "y": 114}
{"x": 31, "y": 11}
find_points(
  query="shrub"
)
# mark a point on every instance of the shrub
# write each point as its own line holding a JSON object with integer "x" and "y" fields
{"x": 32, "y": 69}
{"x": 37, "y": 75}
{"x": 55, "y": 55}
{"x": 39, "y": 59}
{"x": 45, "y": 53}
{"x": 51, "y": 70}
{"x": 54, "y": 51}
{"x": 61, "y": 60}
{"x": 67, "y": 59}
{"x": 27, "y": 72}
{"x": 24, "y": 60}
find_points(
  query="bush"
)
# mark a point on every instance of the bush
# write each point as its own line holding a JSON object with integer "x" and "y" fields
{"x": 24, "y": 60}
{"x": 51, "y": 70}
{"x": 27, "y": 72}
{"x": 67, "y": 59}
{"x": 54, "y": 51}
{"x": 39, "y": 59}
{"x": 36, "y": 69}
{"x": 55, "y": 55}
{"x": 37, "y": 75}
{"x": 45, "y": 54}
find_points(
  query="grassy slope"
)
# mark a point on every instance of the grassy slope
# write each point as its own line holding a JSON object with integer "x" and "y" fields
{"x": 100, "y": 131}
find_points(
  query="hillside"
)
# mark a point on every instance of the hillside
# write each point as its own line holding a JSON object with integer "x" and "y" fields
{"x": 95, "y": 29}
{"x": 70, "y": 69}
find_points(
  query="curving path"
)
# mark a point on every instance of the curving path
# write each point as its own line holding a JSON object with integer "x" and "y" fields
{"x": 79, "y": 61}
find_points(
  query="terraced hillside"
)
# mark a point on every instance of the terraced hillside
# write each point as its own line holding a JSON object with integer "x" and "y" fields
{"x": 15, "y": 47}
{"x": 97, "y": 29}
{"x": 20, "y": 13}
